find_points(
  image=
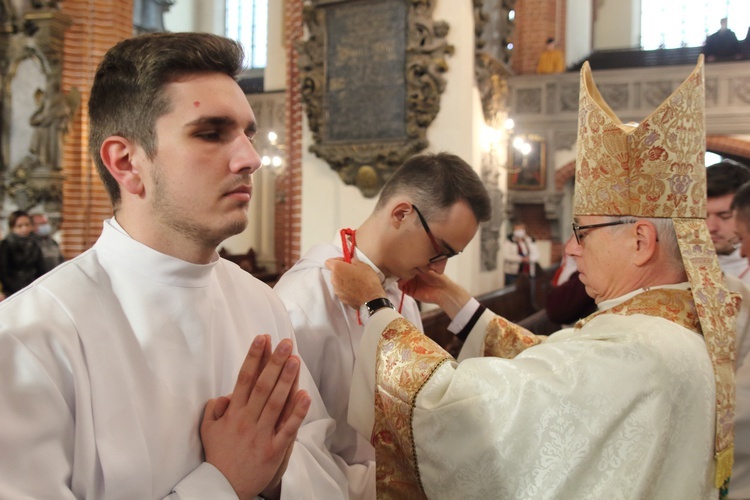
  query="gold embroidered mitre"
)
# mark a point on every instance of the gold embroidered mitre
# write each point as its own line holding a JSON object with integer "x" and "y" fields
{"x": 656, "y": 169}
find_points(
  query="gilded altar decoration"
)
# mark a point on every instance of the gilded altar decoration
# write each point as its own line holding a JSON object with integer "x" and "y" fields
{"x": 35, "y": 111}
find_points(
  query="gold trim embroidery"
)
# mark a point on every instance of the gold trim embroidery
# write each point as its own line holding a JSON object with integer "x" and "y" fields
{"x": 673, "y": 305}
{"x": 506, "y": 340}
{"x": 407, "y": 359}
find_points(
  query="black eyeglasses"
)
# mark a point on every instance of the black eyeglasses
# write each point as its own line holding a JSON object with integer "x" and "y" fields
{"x": 441, "y": 256}
{"x": 577, "y": 228}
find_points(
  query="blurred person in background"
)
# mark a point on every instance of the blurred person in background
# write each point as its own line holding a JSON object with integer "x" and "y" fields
{"x": 520, "y": 254}
{"x": 21, "y": 259}
{"x": 43, "y": 232}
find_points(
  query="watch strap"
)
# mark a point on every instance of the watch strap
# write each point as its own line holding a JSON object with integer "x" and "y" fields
{"x": 375, "y": 304}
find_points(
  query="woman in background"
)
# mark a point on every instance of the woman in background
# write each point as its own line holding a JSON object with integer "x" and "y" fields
{"x": 21, "y": 259}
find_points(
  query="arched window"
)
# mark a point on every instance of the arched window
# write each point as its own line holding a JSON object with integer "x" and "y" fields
{"x": 247, "y": 22}
{"x": 671, "y": 24}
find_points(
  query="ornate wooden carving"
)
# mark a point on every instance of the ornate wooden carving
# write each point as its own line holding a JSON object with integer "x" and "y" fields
{"x": 493, "y": 30}
{"x": 367, "y": 154}
{"x": 31, "y": 44}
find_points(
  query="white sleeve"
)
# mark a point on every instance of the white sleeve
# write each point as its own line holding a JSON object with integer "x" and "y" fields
{"x": 474, "y": 345}
{"x": 463, "y": 317}
{"x": 33, "y": 408}
{"x": 313, "y": 471}
{"x": 206, "y": 481}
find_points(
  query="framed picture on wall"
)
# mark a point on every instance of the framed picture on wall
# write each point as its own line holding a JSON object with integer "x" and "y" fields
{"x": 528, "y": 163}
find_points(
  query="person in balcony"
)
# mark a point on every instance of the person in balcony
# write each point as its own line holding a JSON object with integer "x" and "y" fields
{"x": 551, "y": 60}
{"x": 722, "y": 45}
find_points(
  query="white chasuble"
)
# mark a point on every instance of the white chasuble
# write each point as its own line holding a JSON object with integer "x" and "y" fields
{"x": 620, "y": 407}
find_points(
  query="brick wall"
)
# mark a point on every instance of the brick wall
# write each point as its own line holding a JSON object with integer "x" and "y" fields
{"x": 97, "y": 25}
{"x": 536, "y": 20}
{"x": 289, "y": 184}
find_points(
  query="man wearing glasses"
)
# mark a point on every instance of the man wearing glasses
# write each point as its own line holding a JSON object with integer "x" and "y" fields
{"x": 427, "y": 212}
{"x": 635, "y": 401}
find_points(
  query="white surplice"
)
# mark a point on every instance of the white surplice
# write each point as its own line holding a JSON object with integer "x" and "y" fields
{"x": 106, "y": 364}
{"x": 739, "y": 485}
{"x": 735, "y": 264}
{"x": 328, "y": 337}
{"x": 622, "y": 408}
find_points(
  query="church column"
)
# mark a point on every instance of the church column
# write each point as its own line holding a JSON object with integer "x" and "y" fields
{"x": 289, "y": 184}
{"x": 97, "y": 26}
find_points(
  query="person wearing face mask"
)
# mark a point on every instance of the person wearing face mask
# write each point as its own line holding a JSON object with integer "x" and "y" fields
{"x": 520, "y": 254}
{"x": 21, "y": 259}
{"x": 43, "y": 230}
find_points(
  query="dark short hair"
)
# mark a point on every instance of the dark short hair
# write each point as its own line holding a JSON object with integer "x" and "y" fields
{"x": 14, "y": 216}
{"x": 741, "y": 203}
{"x": 725, "y": 178}
{"x": 550, "y": 40}
{"x": 127, "y": 96}
{"x": 436, "y": 181}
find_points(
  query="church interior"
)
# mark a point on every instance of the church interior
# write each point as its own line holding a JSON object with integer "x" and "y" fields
{"x": 477, "y": 94}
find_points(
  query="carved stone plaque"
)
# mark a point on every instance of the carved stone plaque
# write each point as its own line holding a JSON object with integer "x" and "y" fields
{"x": 366, "y": 83}
{"x": 371, "y": 73}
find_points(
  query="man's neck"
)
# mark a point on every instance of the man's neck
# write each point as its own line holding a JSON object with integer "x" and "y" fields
{"x": 371, "y": 242}
{"x": 176, "y": 245}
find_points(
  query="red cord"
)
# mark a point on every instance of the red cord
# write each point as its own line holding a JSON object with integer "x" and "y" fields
{"x": 348, "y": 235}
{"x": 348, "y": 249}
{"x": 349, "y": 253}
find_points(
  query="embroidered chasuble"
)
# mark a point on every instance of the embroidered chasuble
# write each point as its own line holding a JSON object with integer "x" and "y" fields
{"x": 636, "y": 401}
{"x": 548, "y": 421}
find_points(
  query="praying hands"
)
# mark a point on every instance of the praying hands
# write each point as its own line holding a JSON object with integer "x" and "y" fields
{"x": 249, "y": 435}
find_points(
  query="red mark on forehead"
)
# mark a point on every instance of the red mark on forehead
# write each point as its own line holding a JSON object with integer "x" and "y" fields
{"x": 196, "y": 104}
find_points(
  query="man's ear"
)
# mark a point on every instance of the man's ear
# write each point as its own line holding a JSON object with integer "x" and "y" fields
{"x": 120, "y": 157}
{"x": 646, "y": 241}
{"x": 399, "y": 212}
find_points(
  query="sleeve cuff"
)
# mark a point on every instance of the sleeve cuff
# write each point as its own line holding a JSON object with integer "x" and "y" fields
{"x": 464, "y": 316}
{"x": 206, "y": 481}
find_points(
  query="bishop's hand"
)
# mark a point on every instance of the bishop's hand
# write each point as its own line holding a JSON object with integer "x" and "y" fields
{"x": 354, "y": 283}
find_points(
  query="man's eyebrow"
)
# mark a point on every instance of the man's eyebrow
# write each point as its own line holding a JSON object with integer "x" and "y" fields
{"x": 221, "y": 121}
{"x": 212, "y": 120}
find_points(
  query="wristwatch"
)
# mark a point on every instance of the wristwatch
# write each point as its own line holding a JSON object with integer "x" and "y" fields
{"x": 373, "y": 305}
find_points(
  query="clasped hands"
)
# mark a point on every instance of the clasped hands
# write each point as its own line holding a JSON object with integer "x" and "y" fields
{"x": 249, "y": 435}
